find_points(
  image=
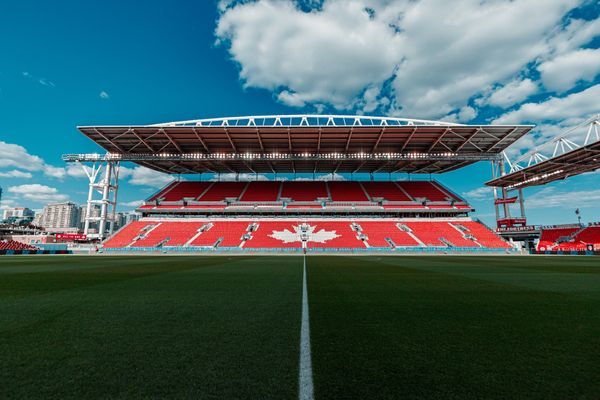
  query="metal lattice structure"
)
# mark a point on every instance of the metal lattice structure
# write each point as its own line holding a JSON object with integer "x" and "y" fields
{"x": 103, "y": 178}
{"x": 298, "y": 120}
{"x": 572, "y": 152}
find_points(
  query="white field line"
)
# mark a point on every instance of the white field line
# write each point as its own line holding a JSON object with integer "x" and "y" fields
{"x": 305, "y": 390}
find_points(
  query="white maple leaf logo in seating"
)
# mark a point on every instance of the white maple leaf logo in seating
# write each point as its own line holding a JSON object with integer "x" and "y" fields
{"x": 304, "y": 233}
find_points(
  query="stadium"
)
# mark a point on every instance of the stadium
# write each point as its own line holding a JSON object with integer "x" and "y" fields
{"x": 300, "y": 199}
{"x": 208, "y": 294}
{"x": 298, "y": 215}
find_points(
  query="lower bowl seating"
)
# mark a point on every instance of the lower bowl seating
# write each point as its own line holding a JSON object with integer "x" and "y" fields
{"x": 318, "y": 233}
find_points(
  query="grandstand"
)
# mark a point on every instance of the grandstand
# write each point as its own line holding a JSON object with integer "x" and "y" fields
{"x": 14, "y": 245}
{"x": 285, "y": 214}
{"x": 569, "y": 238}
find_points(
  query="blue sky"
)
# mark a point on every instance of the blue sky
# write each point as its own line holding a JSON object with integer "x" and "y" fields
{"x": 74, "y": 63}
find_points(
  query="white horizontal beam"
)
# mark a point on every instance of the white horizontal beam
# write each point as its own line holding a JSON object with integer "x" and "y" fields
{"x": 306, "y": 120}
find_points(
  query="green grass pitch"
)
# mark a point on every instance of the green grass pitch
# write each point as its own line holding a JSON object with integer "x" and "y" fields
{"x": 446, "y": 327}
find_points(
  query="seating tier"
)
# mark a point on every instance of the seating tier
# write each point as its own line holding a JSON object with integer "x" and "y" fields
{"x": 230, "y": 231}
{"x": 386, "y": 190}
{"x": 261, "y": 191}
{"x": 425, "y": 189}
{"x": 378, "y": 231}
{"x": 394, "y": 195}
{"x": 220, "y": 191}
{"x": 320, "y": 233}
{"x": 14, "y": 245}
{"x": 304, "y": 191}
{"x": 346, "y": 191}
{"x": 591, "y": 235}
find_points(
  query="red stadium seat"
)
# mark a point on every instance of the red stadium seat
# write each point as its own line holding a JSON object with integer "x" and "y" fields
{"x": 229, "y": 232}
{"x": 14, "y": 245}
{"x": 319, "y": 233}
{"x": 484, "y": 235}
{"x": 378, "y": 231}
{"x": 177, "y": 191}
{"x": 345, "y": 237}
{"x": 263, "y": 238}
{"x": 262, "y": 191}
{"x": 550, "y": 236}
{"x": 425, "y": 189}
{"x": 219, "y": 191}
{"x": 304, "y": 190}
{"x": 434, "y": 233}
{"x": 590, "y": 235}
{"x": 125, "y": 236}
{"x": 386, "y": 190}
{"x": 346, "y": 191}
{"x": 303, "y": 194}
{"x": 170, "y": 234}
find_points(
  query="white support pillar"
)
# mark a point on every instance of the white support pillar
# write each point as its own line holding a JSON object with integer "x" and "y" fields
{"x": 92, "y": 174}
{"x": 105, "y": 202}
{"x": 107, "y": 187}
{"x": 115, "y": 191}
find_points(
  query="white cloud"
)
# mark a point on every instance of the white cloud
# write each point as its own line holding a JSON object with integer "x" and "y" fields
{"x": 549, "y": 197}
{"x": 7, "y": 203}
{"x": 75, "y": 171}
{"x": 465, "y": 114}
{"x": 132, "y": 204}
{"x": 577, "y": 33}
{"x": 467, "y": 51}
{"x": 512, "y": 93}
{"x": 41, "y": 81}
{"x": 54, "y": 172}
{"x": 46, "y": 82}
{"x": 38, "y": 193}
{"x": 15, "y": 174}
{"x": 480, "y": 193}
{"x": 581, "y": 104}
{"x": 563, "y": 72}
{"x": 291, "y": 99}
{"x": 230, "y": 176}
{"x": 330, "y": 56}
{"x": 345, "y": 51}
{"x": 104, "y": 95}
{"x": 323, "y": 177}
{"x": 372, "y": 99}
{"x": 14, "y": 155}
{"x": 143, "y": 176}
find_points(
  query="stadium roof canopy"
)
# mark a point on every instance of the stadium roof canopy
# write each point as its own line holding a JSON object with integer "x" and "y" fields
{"x": 302, "y": 143}
{"x": 572, "y": 152}
{"x": 579, "y": 161}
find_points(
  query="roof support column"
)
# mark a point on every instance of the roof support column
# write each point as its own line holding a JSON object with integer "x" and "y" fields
{"x": 107, "y": 187}
{"x": 522, "y": 203}
{"x": 495, "y": 189}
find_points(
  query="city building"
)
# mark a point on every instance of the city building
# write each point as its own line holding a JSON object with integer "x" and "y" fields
{"x": 60, "y": 217}
{"x": 18, "y": 215}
